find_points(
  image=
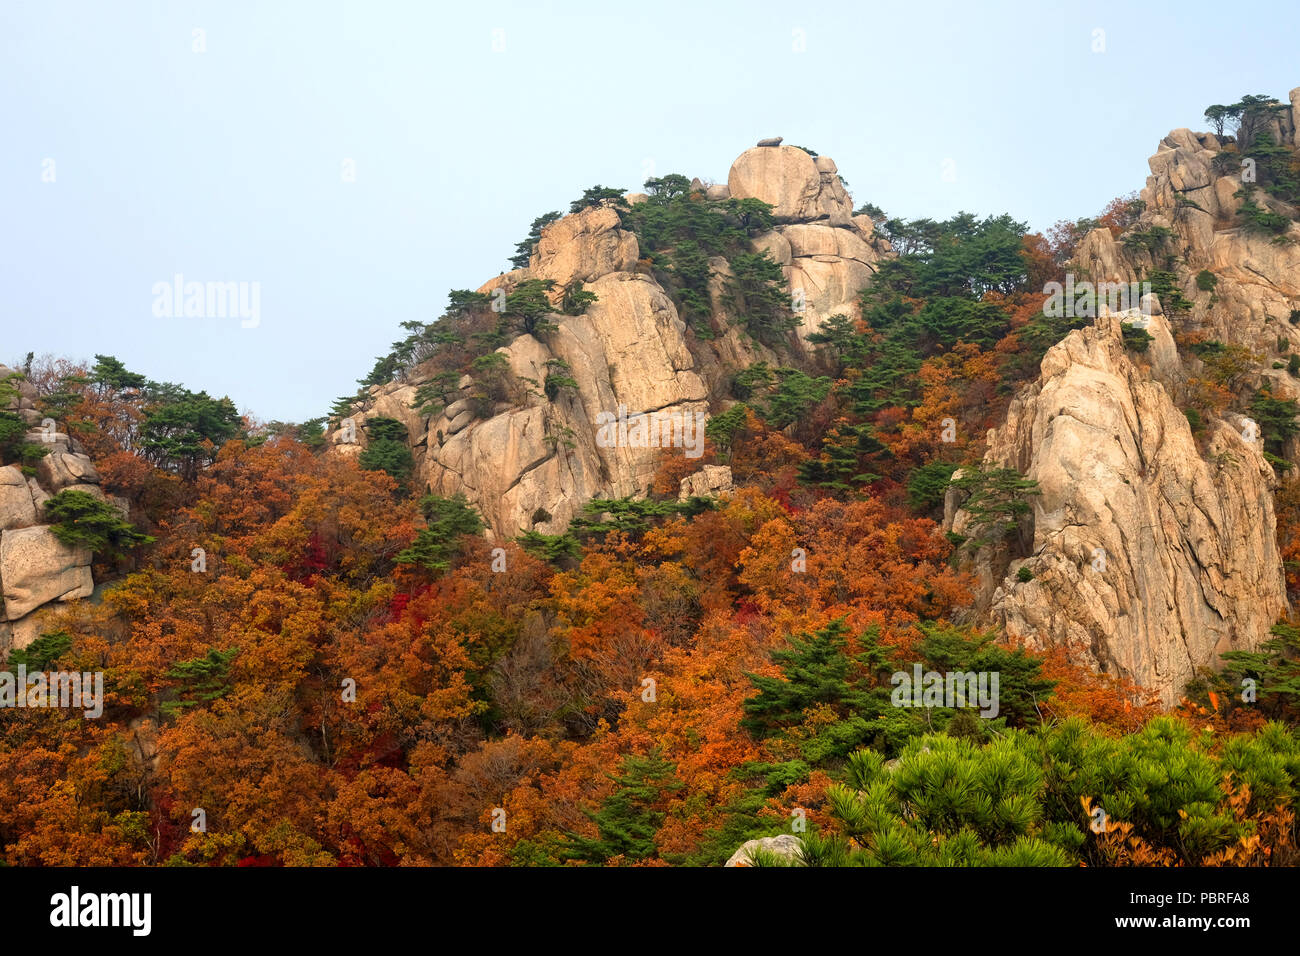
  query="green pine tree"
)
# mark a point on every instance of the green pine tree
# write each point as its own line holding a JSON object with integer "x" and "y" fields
{"x": 630, "y": 817}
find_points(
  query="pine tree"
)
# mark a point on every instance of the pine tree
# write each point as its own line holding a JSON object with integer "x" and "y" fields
{"x": 997, "y": 503}
{"x": 201, "y": 680}
{"x": 438, "y": 544}
{"x": 387, "y": 449}
{"x": 524, "y": 250}
{"x": 817, "y": 669}
{"x": 630, "y": 817}
{"x": 80, "y": 519}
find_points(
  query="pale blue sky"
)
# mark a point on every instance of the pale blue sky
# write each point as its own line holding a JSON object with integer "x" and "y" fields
{"x": 226, "y": 164}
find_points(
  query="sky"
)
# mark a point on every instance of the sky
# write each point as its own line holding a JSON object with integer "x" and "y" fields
{"x": 349, "y": 163}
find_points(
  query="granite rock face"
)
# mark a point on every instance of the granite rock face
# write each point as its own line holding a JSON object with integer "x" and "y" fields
{"x": 532, "y": 462}
{"x": 1191, "y": 192}
{"x": 36, "y": 569}
{"x": 1150, "y": 556}
{"x": 1154, "y": 551}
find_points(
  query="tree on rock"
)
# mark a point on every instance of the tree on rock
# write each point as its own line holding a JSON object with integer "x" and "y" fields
{"x": 78, "y": 518}
{"x": 599, "y": 196}
{"x": 528, "y": 306}
{"x": 524, "y": 250}
{"x": 997, "y": 502}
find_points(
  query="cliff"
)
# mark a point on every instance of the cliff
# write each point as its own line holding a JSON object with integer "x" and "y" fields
{"x": 532, "y": 463}
{"x": 1153, "y": 548}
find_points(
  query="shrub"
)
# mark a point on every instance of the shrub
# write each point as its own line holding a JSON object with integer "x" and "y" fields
{"x": 1256, "y": 219}
{"x": 78, "y": 518}
{"x": 928, "y": 484}
{"x": 1147, "y": 239}
{"x": 1139, "y": 340}
{"x": 440, "y": 542}
{"x": 576, "y": 299}
{"x": 558, "y": 377}
{"x": 1206, "y": 280}
{"x": 42, "y": 652}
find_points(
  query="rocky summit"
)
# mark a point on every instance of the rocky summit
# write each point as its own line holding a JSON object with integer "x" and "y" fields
{"x": 519, "y": 460}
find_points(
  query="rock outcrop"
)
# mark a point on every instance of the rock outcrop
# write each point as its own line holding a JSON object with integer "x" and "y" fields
{"x": 785, "y": 847}
{"x": 709, "y": 482}
{"x": 799, "y": 187}
{"x": 1150, "y": 556}
{"x": 1153, "y": 551}
{"x": 36, "y": 568}
{"x": 17, "y": 509}
{"x": 1191, "y": 192}
{"x": 531, "y": 463}
{"x": 828, "y": 255}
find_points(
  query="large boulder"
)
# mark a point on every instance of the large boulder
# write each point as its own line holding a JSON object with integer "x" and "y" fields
{"x": 36, "y": 568}
{"x": 58, "y": 470}
{"x": 19, "y": 635}
{"x": 788, "y": 179}
{"x": 583, "y": 247}
{"x": 785, "y": 847}
{"x": 710, "y": 481}
{"x": 17, "y": 510}
{"x": 829, "y": 266}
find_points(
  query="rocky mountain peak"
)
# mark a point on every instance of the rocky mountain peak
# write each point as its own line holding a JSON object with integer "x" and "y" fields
{"x": 529, "y": 460}
{"x": 1151, "y": 548}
